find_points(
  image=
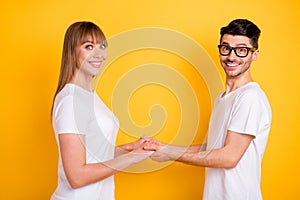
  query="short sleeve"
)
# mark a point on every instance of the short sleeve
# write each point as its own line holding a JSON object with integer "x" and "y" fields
{"x": 248, "y": 114}
{"x": 64, "y": 120}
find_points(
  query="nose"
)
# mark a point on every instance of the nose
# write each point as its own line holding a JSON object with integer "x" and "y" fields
{"x": 100, "y": 53}
{"x": 231, "y": 55}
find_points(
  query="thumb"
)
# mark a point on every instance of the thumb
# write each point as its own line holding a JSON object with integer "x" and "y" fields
{"x": 150, "y": 147}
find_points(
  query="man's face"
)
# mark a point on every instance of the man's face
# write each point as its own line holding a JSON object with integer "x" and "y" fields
{"x": 235, "y": 66}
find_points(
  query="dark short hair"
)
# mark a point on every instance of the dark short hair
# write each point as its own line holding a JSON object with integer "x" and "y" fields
{"x": 242, "y": 27}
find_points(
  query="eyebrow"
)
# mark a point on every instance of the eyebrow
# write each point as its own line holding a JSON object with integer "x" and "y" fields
{"x": 240, "y": 44}
{"x": 88, "y": 41}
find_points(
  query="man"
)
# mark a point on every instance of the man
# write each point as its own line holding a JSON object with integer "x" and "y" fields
{"x": 239, "y": 124}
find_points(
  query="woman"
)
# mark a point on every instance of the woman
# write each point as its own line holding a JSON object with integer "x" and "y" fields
{"x": 85, "y": 128}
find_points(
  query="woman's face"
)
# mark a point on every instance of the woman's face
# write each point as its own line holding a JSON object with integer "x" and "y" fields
{"x": 90, "y": 58}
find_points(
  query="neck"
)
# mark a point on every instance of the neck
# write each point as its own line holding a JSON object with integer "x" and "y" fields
{"x": 82, "y": 81}
{"x": 233, "y": 83}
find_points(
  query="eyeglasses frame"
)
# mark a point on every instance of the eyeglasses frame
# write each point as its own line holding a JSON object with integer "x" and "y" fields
{"x": 234, "y": 49}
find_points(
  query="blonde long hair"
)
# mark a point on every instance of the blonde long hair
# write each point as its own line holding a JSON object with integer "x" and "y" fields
{"x": 76, "y": 34}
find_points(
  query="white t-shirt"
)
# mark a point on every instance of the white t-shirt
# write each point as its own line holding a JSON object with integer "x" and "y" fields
{"x": 77, "y": 111}
{"x": 246, "y": 110}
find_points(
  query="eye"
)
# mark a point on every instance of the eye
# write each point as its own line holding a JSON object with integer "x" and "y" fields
{"x": 102, "y": 46}
{"x": 242, "y": 50}
{"x": 89, "y": 46}
{"x": 225, "y": 48}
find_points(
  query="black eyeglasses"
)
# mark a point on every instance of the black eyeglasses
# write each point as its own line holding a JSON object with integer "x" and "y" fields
{"x": 242, "y": 52}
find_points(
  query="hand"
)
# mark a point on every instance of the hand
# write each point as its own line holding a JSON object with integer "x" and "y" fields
{"x": 162, "y": 151}
{"x": 162, "y": 155}
{"x": 153, "y": 144}
{"x": 139, "y": 153}
{"x": 135, "y": 145}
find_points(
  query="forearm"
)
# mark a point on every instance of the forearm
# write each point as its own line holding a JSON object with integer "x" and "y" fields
{"x": 184, "y": 149}
{"x": 228, "y": 156}
{"x": 80, "y": 173}
{"x": 94, "y": 172}
{"x": 119, "y": 150}
{"x": 217, "y": 158}
{"x": 165, "y": 152}
{"x": 196, "y": 155}
{"x": 196, "y": 148}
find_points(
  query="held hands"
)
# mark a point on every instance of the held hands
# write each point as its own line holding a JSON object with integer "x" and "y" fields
{"x": 148, "y": 147}
{"x": 137, "y": 152}
{"x": 162, "y": 151}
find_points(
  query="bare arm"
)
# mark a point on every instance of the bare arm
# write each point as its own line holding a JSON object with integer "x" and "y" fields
{"x": 196, "y": 148}
{"x": 79, "y": 173}
{"x": 125, "y": 148}
{"x": 227, "y": 157}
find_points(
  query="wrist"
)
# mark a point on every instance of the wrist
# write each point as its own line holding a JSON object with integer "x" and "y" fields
{"x": 126, "y": 147}
{"x": 173, "y": 152}
{"x": 167, "y": 151}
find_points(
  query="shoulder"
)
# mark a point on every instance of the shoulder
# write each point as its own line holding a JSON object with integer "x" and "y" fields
{"x": 253, "y": 96}
{"x": 63, "y": 100}
{"x": 68, "y": 90}
{"x": 252, "y": 91}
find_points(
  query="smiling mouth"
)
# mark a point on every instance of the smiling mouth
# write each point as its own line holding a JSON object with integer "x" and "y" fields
{"x": 231, "y": 65}
{"x": 96, "y": 64}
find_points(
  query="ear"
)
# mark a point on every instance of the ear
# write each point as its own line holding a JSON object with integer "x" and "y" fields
{"x": 255, "y": 55}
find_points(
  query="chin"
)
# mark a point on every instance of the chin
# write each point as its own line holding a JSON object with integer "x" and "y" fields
{"x": 95, "y": 73}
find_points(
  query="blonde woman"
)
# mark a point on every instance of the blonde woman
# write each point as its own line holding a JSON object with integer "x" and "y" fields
{"x": 84, "y": 127}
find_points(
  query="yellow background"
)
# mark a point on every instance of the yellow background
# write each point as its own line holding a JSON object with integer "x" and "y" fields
{"x": 31, "y": 43}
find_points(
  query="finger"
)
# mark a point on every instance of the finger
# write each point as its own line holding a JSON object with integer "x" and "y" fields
{"x": 150, "y": 147}
{"x": 150, "y": 153}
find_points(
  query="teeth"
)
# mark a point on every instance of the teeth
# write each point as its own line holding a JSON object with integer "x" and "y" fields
{"x": 95, "y": 62}
{"x": 232, "y": 64}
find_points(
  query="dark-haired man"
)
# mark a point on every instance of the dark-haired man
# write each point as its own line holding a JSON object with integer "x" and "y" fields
{"x": 239, "y": 124}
